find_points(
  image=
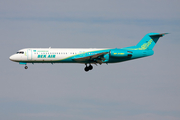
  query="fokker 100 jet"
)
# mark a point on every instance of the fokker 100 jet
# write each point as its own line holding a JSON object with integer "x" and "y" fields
{"x": 87, "y": 56}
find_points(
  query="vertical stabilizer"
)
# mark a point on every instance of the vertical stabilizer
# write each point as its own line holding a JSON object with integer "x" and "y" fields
{"x": 149, "y": 41}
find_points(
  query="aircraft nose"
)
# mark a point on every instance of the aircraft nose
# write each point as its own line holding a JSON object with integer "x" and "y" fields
{"x": 12, "y": 57}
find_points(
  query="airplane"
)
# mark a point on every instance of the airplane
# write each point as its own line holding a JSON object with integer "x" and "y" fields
{"x": 87, "y": 56}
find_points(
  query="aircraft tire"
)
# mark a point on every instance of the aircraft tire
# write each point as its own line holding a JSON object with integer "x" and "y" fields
{"x": 26, "y": 67}
{"x": 86, "y": 69}
{"x": 90, "y": 67}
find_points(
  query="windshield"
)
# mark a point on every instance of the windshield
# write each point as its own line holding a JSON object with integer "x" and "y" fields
{"x": 20, "y": 52}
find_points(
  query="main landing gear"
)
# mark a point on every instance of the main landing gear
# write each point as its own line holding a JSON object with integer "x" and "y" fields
{"x": 87, "y": 68}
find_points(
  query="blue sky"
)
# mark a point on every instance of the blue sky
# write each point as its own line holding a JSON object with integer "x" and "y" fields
{"x": 142, "y": 89}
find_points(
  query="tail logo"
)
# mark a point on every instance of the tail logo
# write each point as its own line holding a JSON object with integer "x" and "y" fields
{"x": 146, "y": 45}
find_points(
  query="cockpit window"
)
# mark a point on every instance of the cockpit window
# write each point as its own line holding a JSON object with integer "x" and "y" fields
{"x": 20, "y": 52}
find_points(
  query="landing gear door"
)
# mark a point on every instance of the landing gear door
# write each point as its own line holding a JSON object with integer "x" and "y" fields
{"x": 29, "y": 54}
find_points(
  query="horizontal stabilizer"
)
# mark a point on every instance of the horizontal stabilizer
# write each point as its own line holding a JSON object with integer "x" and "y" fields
{"x": 158, "y": 35}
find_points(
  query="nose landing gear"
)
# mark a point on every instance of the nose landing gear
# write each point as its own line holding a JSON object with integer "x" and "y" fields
{"x": 87, "y": 68}
{"x": 26, "y": 67}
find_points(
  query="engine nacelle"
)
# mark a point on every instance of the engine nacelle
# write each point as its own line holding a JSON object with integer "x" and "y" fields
{"x": 120, "y": 53}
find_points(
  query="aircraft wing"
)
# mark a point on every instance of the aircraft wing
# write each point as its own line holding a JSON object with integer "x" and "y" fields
{"x": 97, "y": 58}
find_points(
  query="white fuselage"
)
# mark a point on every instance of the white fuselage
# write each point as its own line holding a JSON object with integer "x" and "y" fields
{"x": 51, "y": 54}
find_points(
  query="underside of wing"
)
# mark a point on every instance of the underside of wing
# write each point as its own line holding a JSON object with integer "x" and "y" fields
{"x": 97, "y": 58}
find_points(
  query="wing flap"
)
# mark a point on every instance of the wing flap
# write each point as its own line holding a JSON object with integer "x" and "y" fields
{"x": 88, "y": 58}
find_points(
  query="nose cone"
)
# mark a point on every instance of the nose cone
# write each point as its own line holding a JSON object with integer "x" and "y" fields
{"x": 12, "y": 58}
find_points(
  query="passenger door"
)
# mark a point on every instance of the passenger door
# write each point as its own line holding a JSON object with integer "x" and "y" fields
{"x": 29, "y": 54}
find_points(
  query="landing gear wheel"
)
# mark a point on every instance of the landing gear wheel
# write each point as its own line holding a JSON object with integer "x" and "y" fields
{"x": 90, "y": 67}
{"x": 86, "y": 69}
{"x": 26, "y": 67}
